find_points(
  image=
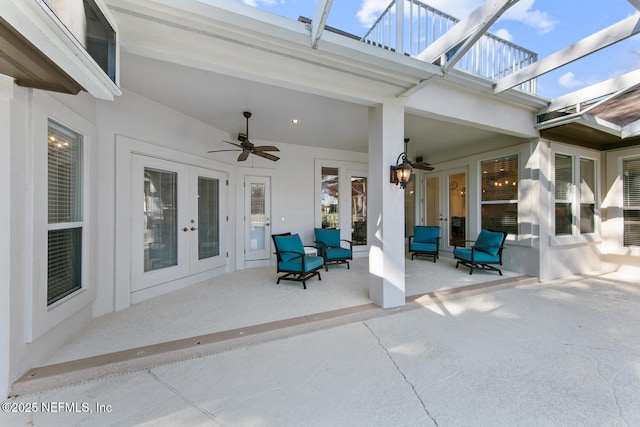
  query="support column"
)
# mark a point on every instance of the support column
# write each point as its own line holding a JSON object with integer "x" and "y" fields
{"x": 6, "y": 94}
{"x": 386, "y": 206}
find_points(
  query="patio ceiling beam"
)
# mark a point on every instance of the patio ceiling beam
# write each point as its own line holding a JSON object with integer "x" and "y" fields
{"x": 635, "y": 3}
{"x": 319, "y": 20}
{"x": 593, "y": 43}
{"x": 621, "y": 83}
{"x": 466, "y": 32}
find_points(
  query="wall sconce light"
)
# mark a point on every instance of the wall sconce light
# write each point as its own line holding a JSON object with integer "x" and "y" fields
{"x": 401, "y": 172}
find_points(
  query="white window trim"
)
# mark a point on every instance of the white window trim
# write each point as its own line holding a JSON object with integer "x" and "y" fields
{"x": 575, "y": 238}
{"x": 634, "y": 250}
{"x": 41, "y": 318}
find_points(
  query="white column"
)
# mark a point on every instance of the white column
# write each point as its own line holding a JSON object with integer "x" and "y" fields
{"x": 6, "y": 94}
{"x": 386, "y": 206}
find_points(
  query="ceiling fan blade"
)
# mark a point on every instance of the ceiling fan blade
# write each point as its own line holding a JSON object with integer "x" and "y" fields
{"x": 423, "y": 166}
{"x": 243, "y": 156}
{"x": 265, "y": 148}
{"x": 220, "y": 151}
{"x": 266, "y": 155}
{"x": 234, "y": 144}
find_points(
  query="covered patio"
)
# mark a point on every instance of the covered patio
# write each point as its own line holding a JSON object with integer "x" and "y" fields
{"x": 241, "y": 308}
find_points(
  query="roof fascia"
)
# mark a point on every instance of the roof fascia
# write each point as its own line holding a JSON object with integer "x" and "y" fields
{"x": 471, "y": 27}
{"x": 319, "y": 20}
{"x": 38, "y": 24}
{"x": 593, "y": 43}
{"x": 585, "y": 120}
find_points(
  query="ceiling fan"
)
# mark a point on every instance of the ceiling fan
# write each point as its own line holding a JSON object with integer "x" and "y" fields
{"x": 416, "y": 165}
{"x": 248, "y": 148}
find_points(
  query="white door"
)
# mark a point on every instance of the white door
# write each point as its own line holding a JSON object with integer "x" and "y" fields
{"x": 446, "y": 206}
{"x": 257, "y": 218}
{"x": 176, "y": 221}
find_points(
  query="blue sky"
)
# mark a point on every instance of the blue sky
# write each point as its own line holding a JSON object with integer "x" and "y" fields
{"x": 543, "y": 26}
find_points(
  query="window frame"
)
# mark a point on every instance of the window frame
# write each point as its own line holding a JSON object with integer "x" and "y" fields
{"x": 40, "y": 317}
{"x": 624, "y": 208}
{"x": 515, "y": 202}
{"x": 576, "y": 236}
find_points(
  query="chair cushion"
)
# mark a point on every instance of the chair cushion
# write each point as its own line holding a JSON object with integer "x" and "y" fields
{"x": 422, "y": 234}
{"x": 328, "y": 236}
{"x": 289, "y": 243}
{"x": 337, "y": 253}
{"x": 478, "y": 257}
{"x": 489, "y": 242}
{"x": 423, "y": 247}
{"x": 311, "y": 262}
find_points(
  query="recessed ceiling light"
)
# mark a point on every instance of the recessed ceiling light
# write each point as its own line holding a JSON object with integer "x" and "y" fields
{"x": 295, "y": 121}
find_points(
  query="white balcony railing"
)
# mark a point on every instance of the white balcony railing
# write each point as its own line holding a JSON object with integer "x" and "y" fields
{"x": 491, "y": 57}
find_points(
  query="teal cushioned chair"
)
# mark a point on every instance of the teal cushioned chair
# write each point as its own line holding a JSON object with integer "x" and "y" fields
{"x": 484, "y": 253}
{"x": 292, "y": 260}
{"x": 425, "y": 242}
{"x": 331, "y": 247}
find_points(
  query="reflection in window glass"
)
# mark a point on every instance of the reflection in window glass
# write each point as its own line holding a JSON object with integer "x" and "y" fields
{"x": 329, "y": 198}
{"x": 208, "y": 218}
{"x": 359, "y": 210}
{"x": 161, "y": 219}
{"x": 500, "y": 194}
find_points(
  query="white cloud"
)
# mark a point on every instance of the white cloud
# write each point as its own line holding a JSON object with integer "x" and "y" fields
{"x": 255, "y": 3}
{"x": 503, "y": 33}
{"x": 523, "y": 12}
{"x": 370, "y": 10}
{"x": 568, "y": 80}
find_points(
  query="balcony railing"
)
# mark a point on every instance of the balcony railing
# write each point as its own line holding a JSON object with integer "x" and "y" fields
{"x": 490, "y": 57}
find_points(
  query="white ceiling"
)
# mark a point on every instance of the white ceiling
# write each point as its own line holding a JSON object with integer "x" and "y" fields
{"x": 219, "y": 101}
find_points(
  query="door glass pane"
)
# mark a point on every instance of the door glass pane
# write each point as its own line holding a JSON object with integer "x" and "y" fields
{"x": 160, "y": 219}
{"x": 433, "y": 201}
{"x": 329, "y": 198}
{"x": 208, "y": 218}
{"x": 359, "y": 210}
{"x": 258, "y": 216}
{"x": 409, "y": 207}
{"x": 457, "y": 207}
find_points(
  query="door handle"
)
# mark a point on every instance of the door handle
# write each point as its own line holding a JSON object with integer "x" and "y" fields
{"x": 185, "y": 229}
{"x": 194, "y": 228}
{"x": 267, "y": 224}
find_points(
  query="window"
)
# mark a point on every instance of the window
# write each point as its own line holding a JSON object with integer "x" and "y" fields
{"x": 500, "y": 194}
{"x": 65, "y": 221}
{"x": 359, "y": 210}
{"x": 631, "y": 201}
{"x": 89, "y": 25}
{"x": 329, "y": 198}
{"x": 575, "y": 194}
{"x": 564, "y": 194}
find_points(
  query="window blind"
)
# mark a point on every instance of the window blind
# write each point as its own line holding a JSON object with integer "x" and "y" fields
{"x": 564, "y": 176}
{"x": 500, "y": 194}
{"x": 631, "y": 201}
{"x": 64, "y": 193}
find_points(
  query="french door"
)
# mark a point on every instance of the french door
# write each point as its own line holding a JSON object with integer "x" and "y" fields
{"x": 257, "y": 218}
{"x": 176, "y": 221}
{"x": 446, "y": 206}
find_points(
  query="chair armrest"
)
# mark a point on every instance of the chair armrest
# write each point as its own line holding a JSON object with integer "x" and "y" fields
{"x": 462, "y": 243}
{"x": 349, "y": 242}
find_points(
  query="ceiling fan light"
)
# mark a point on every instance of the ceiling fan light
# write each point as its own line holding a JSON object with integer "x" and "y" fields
{"x": 295, "y": 121}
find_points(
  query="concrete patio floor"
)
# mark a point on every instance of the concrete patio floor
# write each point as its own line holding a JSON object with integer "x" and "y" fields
{"x": 565, "y": 352}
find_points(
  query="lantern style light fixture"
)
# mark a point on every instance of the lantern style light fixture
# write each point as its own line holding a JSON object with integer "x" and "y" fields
{"x": 401, "y": 172}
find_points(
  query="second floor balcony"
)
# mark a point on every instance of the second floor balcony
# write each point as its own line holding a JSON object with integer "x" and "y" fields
{"x": 409, "y": 27}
